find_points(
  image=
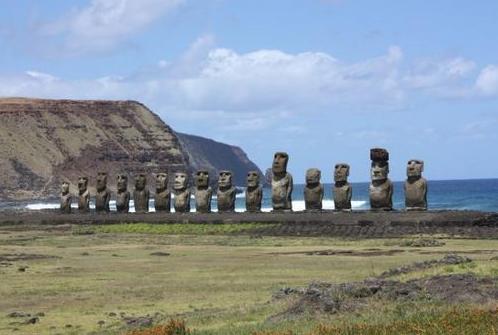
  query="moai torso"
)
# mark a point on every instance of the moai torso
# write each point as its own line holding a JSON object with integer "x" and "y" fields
{"x": 226, "y": 192}
{"x": 103, "y": 195}
{"x": 182, "y": 193}
{"x": 254, "y": 192}
{"x": 83, "y": 195}
{"x": 415, "y": 186}
{"x": 122, "y": 196}
{"x": 381, "y": 195}
{"x": 313, "y": 191}
{"x": 66, "y": 199}
{"x": 342, "y": 189}
{"x": 342, "y": 196}
{"x": 203, "y": 192}
{"x": 141, "y": 194}
{"x": 162, "y": 200}
{"x": 281, "y": 183}
{"x": 381, "y": 188}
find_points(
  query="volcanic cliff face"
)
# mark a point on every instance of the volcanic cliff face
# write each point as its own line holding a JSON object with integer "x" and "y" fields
{"x": 204, "y": 153}
{"x": 43, "y": 142}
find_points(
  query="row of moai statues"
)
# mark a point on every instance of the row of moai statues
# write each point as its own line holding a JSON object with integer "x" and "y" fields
{"x": 380, "y": 190}
{"x": 203, "y": 193}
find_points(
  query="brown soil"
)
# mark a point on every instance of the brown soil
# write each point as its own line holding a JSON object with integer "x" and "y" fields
{"x": 365, "y": 253}
{"x": 23, "y": 257}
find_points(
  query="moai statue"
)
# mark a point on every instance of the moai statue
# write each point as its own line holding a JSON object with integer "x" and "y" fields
{"x": 254, "y": 192}
{"x": 182, "y": 193}
{"x": 281, "y": 183}
{"x": 415, "y": 186}
{"x": 83, "y": 195}
{"x": 103, "y": 195}
{"x": 313, "y": 191}
{"x": 123, "y": 196}
{"x": 66, "y": 198}
{"x": 226, "y": 192}
{"x": 141, "y": 194}
{"x": 162, "y": 200}
{"x": 342, "y": 189}
{"x": 381, "y": 188}
{"x": 203, "y": 192}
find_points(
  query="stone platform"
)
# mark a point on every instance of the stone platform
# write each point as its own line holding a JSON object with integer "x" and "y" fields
{"x": 356, "y": 224}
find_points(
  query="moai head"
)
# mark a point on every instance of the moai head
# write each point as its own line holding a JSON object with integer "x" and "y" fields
{"x": 280, "y": 160}
{"x": 122, "y": 182}
{"x": 225, "y": 179}
{"x": 313, "y": 177}
{"x": 414, "y": 168}
{"x": 82, "y": 184}
{"x": 341, "y": 172}
{"x": 65, "y": 188}
{"x": 161, "y": 181}
{"x": 252, "y": 179}
{"x": 379, "y": 171}
{"x": 101, "y": 181}
{"x": 202, "y": 179}
{"x": 140, "y": 182}
{"x": 380, "y": 164}
{"x": 181, "y": 181}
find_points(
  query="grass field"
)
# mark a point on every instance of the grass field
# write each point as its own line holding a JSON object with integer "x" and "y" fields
{"x": 96, "y": 279}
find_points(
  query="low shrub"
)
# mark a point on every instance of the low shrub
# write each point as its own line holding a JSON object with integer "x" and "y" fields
{"x": 173, "y": 327}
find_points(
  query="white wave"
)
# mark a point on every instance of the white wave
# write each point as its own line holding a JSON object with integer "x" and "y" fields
{"x": 297, "y": 205}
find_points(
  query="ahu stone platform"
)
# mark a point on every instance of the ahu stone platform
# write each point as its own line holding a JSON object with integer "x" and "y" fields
{"x": 356, "y": 224}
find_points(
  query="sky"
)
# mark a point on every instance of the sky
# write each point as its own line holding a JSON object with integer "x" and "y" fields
{"x": 324, "y": 80}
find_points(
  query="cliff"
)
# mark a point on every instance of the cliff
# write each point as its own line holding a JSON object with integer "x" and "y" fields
{"x": 204, "y": 153}
{"x": 43, "y": 142}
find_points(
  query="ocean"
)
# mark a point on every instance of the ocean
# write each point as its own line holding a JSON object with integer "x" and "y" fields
{"x": 475, "y": 194}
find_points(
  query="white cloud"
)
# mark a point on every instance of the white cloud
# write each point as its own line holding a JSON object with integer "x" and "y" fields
{"x": 261, "y": 89}
{"x": 487, "y": 81}
{"x": 104, "y": 24}
{"x": 431, "y": 74}
{"x": 43, "y": 77}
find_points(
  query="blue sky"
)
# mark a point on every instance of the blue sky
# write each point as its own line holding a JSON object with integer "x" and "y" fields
{"x": 324, "y": 80}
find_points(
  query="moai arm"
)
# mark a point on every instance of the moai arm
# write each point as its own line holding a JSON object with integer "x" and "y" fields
{"x": 350, "y": 193}
{"x": 87, "y": 199}
{"x": 108, "y": 199}
{"x": 425, "y": 189}
{"x": 290, "y": 188}
{"x": 321, "y": 193}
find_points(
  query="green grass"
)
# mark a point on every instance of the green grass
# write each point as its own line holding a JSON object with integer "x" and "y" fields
{"x": 171, "y": 229}
{"x": 219, "y": 281}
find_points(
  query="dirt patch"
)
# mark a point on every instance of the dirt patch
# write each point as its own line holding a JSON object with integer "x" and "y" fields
{"x": 160, "y": 253}
{"x": 422, "y": 242}
{"x": 321, "y": 297}
{"x": 331, "y": 252}
{"x": 6, "y": 258}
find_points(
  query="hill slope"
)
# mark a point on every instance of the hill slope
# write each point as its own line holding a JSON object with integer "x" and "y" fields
{"x": 204, "y": 153}
{"x": 43, "y": 142}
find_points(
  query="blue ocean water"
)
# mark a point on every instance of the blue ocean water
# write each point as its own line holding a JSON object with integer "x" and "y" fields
{"x": 475, "y": 194}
